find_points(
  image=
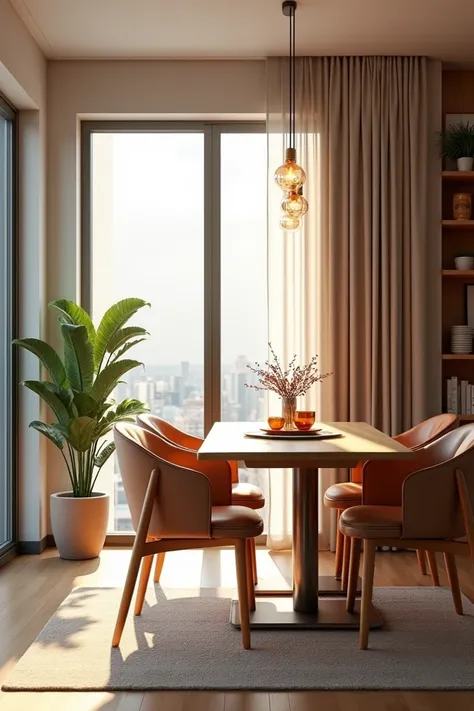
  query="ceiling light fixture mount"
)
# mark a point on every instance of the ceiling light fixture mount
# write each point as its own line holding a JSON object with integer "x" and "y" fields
{"x": 290, "y": 177}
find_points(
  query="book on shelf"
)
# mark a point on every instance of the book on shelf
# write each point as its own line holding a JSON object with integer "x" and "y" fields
{"x": 459, "y": 397}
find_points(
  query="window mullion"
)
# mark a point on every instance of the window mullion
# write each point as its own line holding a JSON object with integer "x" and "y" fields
{"x": 212, "y": 277}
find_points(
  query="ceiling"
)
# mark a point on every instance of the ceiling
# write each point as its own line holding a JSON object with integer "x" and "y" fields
{"x": 230, "y": 29}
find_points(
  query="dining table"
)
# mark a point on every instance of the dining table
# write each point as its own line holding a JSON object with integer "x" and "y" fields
{"x": 311, "y": 604}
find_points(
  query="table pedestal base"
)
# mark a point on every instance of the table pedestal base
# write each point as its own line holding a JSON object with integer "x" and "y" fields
{"x": 278, "y": 613}
{"x": 328, "y": 586}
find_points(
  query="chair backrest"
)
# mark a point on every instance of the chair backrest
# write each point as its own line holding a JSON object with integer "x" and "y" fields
{"x": 431, "y": 503}
{"x": 170, "y": 432}
{"x": 178, "y": 437}
{"x": 186, "y": 487}
{"x": 418, "y": 436}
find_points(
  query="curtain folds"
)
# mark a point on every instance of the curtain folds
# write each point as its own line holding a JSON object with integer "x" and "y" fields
{"x": 359, "y": 283}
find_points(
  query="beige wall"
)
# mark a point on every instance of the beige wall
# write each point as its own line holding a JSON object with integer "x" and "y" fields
{"x": 23, "y": 82}
{"x": 127, "y": 89}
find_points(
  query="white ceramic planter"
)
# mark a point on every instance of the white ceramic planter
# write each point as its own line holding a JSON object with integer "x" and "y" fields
{"x": 465, "y": 164}
{"x": 79, "y": 524}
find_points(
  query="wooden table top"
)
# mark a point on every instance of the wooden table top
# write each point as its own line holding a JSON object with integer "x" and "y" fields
{"x": 359, "y": 442}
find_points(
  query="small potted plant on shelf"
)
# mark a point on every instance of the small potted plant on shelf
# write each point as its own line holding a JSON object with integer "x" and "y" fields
{"x": 457, "y": 143}
{"x": 78, "y": 392}
{"x": 288, "y": 384}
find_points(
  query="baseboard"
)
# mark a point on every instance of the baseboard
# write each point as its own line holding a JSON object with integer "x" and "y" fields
{"x": 8, "y": 555}
{"x": 33, "y": 547}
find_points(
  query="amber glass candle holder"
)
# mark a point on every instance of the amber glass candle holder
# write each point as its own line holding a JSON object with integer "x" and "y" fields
{"x": 276, "y": 423}
{"x": 304, "y": 419}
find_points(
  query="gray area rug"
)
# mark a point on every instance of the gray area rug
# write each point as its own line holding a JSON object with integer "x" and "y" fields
{"x": 186, "y": 642}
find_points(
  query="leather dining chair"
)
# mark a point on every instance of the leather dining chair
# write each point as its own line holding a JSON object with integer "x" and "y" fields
{"x": 243, "y": 494}
{"x": 342, "y": 496}
{"x": 402, "y": 513}
{"x": 179, "y": 503}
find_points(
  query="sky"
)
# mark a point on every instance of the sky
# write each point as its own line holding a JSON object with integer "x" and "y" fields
{"x": 155, "y": 227}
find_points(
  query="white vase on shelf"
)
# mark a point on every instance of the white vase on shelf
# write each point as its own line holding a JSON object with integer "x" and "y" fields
{"x": 464, "y": 164}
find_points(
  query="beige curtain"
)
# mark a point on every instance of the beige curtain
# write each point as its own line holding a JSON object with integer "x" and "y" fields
{"x": 359, "y": 283}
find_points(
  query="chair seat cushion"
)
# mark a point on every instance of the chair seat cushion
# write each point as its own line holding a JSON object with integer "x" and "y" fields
{"x": 372, "y": 522}
{"x": 235, "y": 522}
{"x": 341, "y": 496}
{"x": 244, "y": 494}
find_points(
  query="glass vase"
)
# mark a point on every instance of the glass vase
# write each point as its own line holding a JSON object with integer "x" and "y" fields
{"x": 288, "y": 405}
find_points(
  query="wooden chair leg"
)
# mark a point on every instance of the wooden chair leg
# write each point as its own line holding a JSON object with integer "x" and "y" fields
{"x": 433, "y": 566}
{"x": 339, "y": 548}
{"x": 253, "y": 560}
{"x": 421, "y": 558}
{"x": 356, "y": 545}
{"x": 147, "y": 562}
{"x": 345, "y": 562}
{"x": 241, "y": 566}
{"x": 452, "y": 571}
{"x": 160, "y": 559}
{"x": 250, "y": 574}
{"x": 137, "y": 554}
{"x": 367, "y": 588}
{"x": 467, "y": 510}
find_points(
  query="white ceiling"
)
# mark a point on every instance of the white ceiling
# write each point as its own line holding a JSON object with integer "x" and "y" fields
{"x": 212, "y": 29}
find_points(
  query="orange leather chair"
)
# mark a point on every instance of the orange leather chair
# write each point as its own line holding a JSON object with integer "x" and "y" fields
{"x": 347, "y": 494}
{"x": 242, "y": 494}
{"x": 178, "y": 503}
{"x": 398, "y": 512}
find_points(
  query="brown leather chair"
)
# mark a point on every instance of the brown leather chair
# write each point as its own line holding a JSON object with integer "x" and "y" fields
{"x": 342, "y": 496}
{"x": 177, "y": 502}
{"x": 243, "y": 494}
{"x": 397, "y": 511}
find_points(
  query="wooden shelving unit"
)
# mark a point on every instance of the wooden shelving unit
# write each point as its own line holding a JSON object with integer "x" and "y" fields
{"x": 458, "y": 239}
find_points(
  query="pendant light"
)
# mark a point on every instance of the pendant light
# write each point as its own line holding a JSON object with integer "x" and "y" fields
{"x": 290, "y": 177}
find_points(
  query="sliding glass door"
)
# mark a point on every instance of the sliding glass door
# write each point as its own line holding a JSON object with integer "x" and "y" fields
{"x": 164, "y": 219}
{"x": 7, "y": 328}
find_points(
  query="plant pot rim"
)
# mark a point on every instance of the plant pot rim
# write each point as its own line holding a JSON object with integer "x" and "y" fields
{"x": 70, "y": 495}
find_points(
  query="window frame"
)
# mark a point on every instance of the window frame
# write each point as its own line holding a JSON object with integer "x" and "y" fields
{"x": 212, "y": 131}
{"x": 9, "y": 549}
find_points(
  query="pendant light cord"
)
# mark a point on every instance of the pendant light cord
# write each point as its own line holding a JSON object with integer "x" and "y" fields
{"x": 293, "y": 53}
{"x": 291, "y": 78}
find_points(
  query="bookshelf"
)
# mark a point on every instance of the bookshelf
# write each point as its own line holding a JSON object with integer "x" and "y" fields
{"x": 457, "y": 238}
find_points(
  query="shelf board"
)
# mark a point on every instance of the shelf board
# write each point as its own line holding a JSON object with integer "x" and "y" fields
{"x": 466, "y": 418}
{"x": 458, "y": 356}
{"x": 458, "y": 273}
{"x": 458, "y": 224}
{"x": 464, "y": 175}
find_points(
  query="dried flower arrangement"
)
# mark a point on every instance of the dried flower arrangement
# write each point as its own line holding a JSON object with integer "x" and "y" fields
{"x": 289, "y": 383}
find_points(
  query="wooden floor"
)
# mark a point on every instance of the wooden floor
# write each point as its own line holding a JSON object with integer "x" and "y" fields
{"x": 32, "y": 587}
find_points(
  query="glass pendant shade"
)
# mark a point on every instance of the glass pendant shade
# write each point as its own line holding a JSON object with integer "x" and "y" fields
{"x": 289, "y": 223}
{"x": 294, "y": 205}
{"x": 290, "y": 176}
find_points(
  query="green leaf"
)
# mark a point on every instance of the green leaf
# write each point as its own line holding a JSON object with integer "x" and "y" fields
{"x": 50, "y": 432}
{"x": 131, "y": 407}
{"x": 108, "y": 378}
{"x": 126, "y": 348}
{"x": 50, "y": 398}
{"x": 48, "y": 357}
{"x": 86, "y": 405}
{"x": 81, "y": 433}
{"x": 123, "y": 335}
{"x": 74, "y": 314}
{"x": 112, "y": 321}
{"x": 104, "y": 454}
{"x": 78, "y": 356}
{"x": 64, "y": 394}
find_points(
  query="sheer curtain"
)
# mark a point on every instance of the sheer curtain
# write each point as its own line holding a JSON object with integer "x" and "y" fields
{"x": 359, "y": 283}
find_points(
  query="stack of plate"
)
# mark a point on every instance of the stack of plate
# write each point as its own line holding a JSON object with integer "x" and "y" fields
{"x": 461, "y": 339}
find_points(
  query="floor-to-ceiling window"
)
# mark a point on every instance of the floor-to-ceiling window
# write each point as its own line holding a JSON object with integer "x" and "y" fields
{"x": 176, "y": 214}
{"x": 7, "y": 326}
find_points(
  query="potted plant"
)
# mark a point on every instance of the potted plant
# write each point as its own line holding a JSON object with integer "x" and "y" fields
{"x": 457, "y": 143}
{"x": 78, "y": 392}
